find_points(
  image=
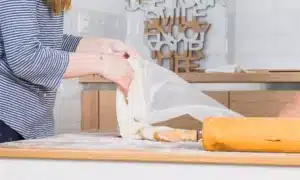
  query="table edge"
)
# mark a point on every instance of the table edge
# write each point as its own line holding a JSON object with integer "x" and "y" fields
{"x": 151, "y": 157}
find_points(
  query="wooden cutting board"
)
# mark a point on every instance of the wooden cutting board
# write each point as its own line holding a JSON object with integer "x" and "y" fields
{"x": 110, "y": 147}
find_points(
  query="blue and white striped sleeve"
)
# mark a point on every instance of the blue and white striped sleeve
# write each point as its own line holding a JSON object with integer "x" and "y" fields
{"x": 26, "y": 56}
{"x": 70, "y": 43}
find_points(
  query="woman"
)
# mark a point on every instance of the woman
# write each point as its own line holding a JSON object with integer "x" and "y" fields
{"x": 35, "y": 56}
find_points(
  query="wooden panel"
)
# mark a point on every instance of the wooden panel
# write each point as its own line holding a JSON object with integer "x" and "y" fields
{"x": 89, "y": 110}
{"x": 89, "y": 78}
{"x": 201, "y": 77}
{"x": 107, "y": 111}
{"x": 260, "y": 103}
{"x": 253, "y": 77}
{"x": 220, "y": 96}
{"x": 182, "y": 122}
{"x": 108, "y": 119}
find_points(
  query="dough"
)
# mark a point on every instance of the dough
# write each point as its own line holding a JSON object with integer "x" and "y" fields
{"x": 133, "y": 110}
{"x": 131, "y": 116}
{"x": 150, "y": 132}
{"x": 167, "y": 134}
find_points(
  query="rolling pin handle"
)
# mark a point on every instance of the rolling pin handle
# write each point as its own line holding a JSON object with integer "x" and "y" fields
{"x": 199, "y": 135}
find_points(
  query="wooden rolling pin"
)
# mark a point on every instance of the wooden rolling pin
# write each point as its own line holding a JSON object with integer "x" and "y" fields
{"x": 243, "y": 135}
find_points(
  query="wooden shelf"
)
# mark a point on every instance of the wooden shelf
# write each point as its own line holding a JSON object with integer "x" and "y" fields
{"x": 200, "y": 77}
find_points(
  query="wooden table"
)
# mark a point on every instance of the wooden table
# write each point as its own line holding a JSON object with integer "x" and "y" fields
{"x": 100, "y": 156}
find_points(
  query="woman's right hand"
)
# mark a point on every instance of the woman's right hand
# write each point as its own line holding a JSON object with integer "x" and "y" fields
{"x": 116, "y": 68}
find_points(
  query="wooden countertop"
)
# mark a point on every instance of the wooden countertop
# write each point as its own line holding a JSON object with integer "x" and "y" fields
{"x": 200, "y": 77}
{"x": 101, "y": 147}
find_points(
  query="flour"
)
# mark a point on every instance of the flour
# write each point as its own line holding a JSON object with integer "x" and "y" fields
{"x": 100, "y": 142}
{"x": 85, "y": 142}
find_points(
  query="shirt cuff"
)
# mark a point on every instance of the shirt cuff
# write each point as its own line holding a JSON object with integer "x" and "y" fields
{"x": 70, "y": 43}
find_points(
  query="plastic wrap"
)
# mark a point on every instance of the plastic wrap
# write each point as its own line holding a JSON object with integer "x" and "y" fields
{"x": 158, "y": 94}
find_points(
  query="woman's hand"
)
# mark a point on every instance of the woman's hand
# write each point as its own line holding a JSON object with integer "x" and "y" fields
{"x": 115, "y": 68}
{"x": 105, "y": 46}
{"x": 114, "y": 53}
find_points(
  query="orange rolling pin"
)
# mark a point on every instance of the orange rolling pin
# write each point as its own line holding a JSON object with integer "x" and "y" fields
{"x": 243, "y": 134}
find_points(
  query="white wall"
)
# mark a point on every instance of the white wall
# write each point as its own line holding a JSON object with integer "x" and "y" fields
{"x": 267, "y": 34}
{"x": 215, "y": 45}
{"x": 68, "y": 108}
{"x": 219, "y": 46}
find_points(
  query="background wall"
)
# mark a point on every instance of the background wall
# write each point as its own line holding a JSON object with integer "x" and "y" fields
{"x": 267, "y": 34}
{"x": 101, "y": 17}
{"x": 254, "y": 34}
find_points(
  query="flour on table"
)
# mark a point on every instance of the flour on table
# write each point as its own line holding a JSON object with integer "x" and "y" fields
{"x": 102, "y": 142}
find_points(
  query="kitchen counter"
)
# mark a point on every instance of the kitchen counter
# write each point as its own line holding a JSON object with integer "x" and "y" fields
{"x": 100, "y": 151}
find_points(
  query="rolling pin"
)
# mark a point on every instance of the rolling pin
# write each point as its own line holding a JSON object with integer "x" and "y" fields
{"x": 242, "y": 134}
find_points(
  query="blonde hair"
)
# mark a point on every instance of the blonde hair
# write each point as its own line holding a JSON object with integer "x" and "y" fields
{"x": 58, "y": 6}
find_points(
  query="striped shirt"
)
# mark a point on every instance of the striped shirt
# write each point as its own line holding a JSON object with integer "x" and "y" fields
{"x": 34, "y": 55}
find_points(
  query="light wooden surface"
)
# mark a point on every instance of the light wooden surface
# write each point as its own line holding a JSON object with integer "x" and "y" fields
{"x": 110, "y": 148}
{"x": 258, "y": 77}
{"x": 107, "y": 111}
{"x": 89, "y": 110}
{"x": 198, "y": 77}
{"x": 260, "y": 103}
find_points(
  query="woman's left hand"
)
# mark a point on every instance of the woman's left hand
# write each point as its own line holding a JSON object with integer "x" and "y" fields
{"x": 105, "y": 46}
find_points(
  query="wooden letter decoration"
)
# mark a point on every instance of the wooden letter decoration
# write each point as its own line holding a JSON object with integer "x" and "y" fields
{"x": 175, "y": 30}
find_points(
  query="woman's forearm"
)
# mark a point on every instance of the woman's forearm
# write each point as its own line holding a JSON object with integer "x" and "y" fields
{"x": 81, "y": 64}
